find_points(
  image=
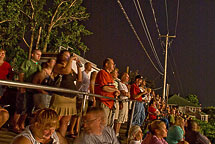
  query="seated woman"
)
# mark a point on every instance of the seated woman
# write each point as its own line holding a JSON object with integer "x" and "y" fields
{"x": 135, "y": 135}
{"x": 176, "y": 132}
{"x": 152, "y": 110}
{"x": 4, "y": 116}
{"x": 157, "y": 133}
{"x": 193, "y": 136}
{"x": 42, "y": 129}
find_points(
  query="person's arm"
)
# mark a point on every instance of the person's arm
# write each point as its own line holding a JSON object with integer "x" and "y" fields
{"x": 138, "y": 95}
{"x": 79, "y": 77}
{"x": 37, "y": 79}
{"x": 21, "y": 140}
{"x": 61, "y": 139}
{"x": 61, "y": 69}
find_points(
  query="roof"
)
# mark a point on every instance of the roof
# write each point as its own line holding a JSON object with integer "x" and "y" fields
{"x": 180, "y": 101}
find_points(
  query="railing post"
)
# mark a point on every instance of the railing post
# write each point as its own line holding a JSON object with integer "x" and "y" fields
{"x": 83, "y": 107}
{"x": 132, "y": 113}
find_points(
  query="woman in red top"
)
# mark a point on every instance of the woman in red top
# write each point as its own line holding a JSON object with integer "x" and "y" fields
{"x": 5, "y": 69}
{"x": 152, "y": 110}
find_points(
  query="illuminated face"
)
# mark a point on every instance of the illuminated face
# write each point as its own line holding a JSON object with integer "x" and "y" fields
{"x": 36, "y": 55}
{"x": 88, "y": 67}
{"x": 66, "y": 55}
{"x": 2, "y": 54}
{"x": 139, "y": 135}
{"x": 111, "y": 65}
{"x": 125, "y": 78}
{"x": 162, "y": 132}
{"x": 92, "y": 123}
{"x": 115, "y": 74}
{"x": 52, "y": 63}
{"x": 45, "y": 131}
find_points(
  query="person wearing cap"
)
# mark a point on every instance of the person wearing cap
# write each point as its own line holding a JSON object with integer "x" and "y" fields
{"x": 136, "y": 94}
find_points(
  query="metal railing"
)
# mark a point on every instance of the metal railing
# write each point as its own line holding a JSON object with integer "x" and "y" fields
{"x": 56, "y": 89}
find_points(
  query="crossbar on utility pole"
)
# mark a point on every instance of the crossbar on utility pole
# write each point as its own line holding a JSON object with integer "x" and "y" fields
{"x": 165, "y": 68}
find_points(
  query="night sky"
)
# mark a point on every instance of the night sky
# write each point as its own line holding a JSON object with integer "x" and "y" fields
{"x": 191, "y": 55}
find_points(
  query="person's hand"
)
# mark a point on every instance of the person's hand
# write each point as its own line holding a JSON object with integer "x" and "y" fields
{"x": 73, "y": 58}
{"x": 117, "y": 93}
{"x": 120, "y": 105}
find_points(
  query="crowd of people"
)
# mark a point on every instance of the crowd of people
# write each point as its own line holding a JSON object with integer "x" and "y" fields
{"x": 49, "y": 117}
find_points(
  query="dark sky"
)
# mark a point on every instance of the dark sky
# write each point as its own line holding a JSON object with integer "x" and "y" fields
{"x": 191, "y": 55}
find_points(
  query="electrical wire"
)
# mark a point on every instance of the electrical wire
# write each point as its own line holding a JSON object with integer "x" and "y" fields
{"x": 177, "y": 15}
{"x": 156, "y": 24}
{"x": 167, "y": 17}
{"x": 138, "y": 38}
{"x": 146, "y": 30}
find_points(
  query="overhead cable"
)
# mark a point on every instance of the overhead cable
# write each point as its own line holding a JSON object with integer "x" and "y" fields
{"x": 146, "y": 30}
{"x": 138, "y": 38}
{"x": 167, "y": 17}
{"x": 176, "y": 23}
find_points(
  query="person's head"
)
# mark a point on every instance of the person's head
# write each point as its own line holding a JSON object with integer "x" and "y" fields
{"x": 64, "y": 55}
{"x": 152, "y": 102}
{"x": 94, "y": 120}
{"x": 115, "y": 73}
{"x": 51, "y": 63}
{"x": 125, "y": 77}
{"x": 88, "y": 66}
{"x": 2, "y": 54}
{"x": 158, "y": 128}
{"x": 173, "y": 111}
{"x": 135, "y": 133}
{"x": 138, "y": 79}
{"x": 179, "y": 121}
{"x": 192, "y": 126}
{"x": 36, "y": 55}
{"x": 45, "y": 122}
{"x": 108, "y": 64}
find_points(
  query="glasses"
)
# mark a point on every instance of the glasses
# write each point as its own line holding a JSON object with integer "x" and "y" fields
{"x": 89, "y": 121}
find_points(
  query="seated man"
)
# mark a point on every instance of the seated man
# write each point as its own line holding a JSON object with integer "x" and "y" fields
{"x": 95, "y": 131}
{"x": 42, "y": 129}
{"x": 4, "y": 116}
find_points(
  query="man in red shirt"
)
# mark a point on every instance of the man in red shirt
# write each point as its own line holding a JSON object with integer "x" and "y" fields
{"x": 136, "y": 94}
{"x": 104, "y": 86}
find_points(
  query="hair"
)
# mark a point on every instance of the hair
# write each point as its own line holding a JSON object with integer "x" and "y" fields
{"x": 46, "y": 117}
{"x": 87, "y": 63}
{"x": 152, "y": 101}
{"x": 156, "y": 124}
{"x": 34, "y": 51}
{"x": 191, "y": 125}
{"x": 122, "y": 74}
{"x": 178, "y": 120}
{"x": 106, "y": 61}
{"x": 99, "y": 113}
{"x": 132, "y": 132}
{"x": 59, "y": 56}
{"x": 1, "y": 49}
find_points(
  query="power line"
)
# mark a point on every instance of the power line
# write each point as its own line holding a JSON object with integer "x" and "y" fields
{"x": 138, "y": 38}
{"x": 176, "y": 23}
{"x": 146, "y": 30}
{"x": 167, "y": 17}
{"x": 156, "y": 24}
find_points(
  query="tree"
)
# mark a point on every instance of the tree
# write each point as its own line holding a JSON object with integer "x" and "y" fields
{"x": 193, "y": 99}
{"x": 43, "y": 24}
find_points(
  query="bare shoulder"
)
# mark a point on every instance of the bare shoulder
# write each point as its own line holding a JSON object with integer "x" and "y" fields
{"x": 61, "y": 138}
{"x": 21, "y": 140}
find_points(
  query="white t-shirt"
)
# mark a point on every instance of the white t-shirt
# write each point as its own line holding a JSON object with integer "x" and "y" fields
{"x": 123, "y": 86}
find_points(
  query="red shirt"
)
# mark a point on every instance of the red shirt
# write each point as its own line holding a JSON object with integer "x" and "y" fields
{"x": 5, "y": 69}
{"x": 152, "y": 114}
{"x": 135, "y": 90}
{"x": 104, "y": 78}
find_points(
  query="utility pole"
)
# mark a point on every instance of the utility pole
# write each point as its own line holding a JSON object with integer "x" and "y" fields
{"x": 165, "y": 68}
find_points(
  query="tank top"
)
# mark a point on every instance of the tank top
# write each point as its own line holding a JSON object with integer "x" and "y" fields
{"x": 27, "y": 134}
